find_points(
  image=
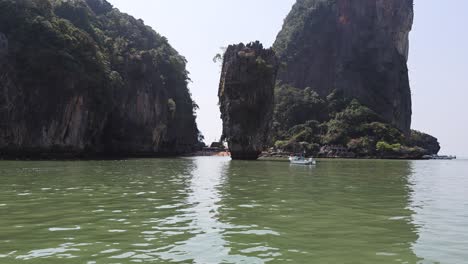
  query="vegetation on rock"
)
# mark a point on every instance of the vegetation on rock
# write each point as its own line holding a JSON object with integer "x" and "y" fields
{"x": 246, "y": 98}
{"x": 343, "y": 90}
{"x": 358, "y": 49}
{"x": 80, "y": 76}
{"x": 344, "y": 125}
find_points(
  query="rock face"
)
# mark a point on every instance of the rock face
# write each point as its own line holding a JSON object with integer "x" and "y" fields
{"x": 3, "y": 46}
{"x": 425, "y": 141}
{"x": 357, "y": 47}
{"x": 79, "y": 77}
{"x": 246, "y": 98}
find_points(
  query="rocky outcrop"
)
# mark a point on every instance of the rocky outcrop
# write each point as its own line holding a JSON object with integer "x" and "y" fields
{"x": 424, "y": 141}
{"x": 81, "y": 78}
{"x": 246, "y": 98}
{"x": 357, "y": 47}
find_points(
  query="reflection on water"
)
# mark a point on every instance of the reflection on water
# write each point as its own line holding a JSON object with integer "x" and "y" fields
{"x": 441, "y": 210}
{"x": 347, "y": 210}
{"x": 213, "y": 210}
{"x": 207, "y": 243}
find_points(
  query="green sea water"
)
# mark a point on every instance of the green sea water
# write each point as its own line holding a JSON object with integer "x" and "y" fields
{"x": 214, "y": 210}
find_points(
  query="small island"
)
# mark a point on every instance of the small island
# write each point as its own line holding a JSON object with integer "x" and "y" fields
{"x": 342, "y": 89}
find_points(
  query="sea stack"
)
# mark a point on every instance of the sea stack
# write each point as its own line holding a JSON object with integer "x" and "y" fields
{"x": 359, "y": 48}
{"x": 246, "y": 98}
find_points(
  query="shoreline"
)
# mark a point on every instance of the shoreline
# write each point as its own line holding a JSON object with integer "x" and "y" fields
{"x": 69, "y": 156}
{"x": 343, "y": 158}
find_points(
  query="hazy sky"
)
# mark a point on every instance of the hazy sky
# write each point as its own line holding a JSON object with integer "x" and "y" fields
{"x": 438, "y": 56}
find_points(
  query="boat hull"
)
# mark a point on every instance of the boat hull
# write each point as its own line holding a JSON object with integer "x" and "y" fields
{"x": 299, "y": 161}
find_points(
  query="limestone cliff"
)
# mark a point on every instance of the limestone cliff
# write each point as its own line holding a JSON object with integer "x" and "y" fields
{"x": 80, "y": 77}
{"x": 359, "y": 48}
{"x": 425, "y": 141}
{"x": 246, "y": 98}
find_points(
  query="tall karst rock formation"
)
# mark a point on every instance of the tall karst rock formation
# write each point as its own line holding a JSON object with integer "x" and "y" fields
{"x": 358, "y": 47}
{"x": 81, "y": 77}
{"x": 246, "y": 98}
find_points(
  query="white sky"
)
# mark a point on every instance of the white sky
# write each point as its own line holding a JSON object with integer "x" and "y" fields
{"x": 438, "y": 56}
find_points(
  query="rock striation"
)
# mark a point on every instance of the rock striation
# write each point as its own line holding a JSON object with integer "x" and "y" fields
{"x": 246, "y": 98}
{"x": 81, "y": 78}
{"x": 3, "y": 46}
{"x": 359, "y": 48}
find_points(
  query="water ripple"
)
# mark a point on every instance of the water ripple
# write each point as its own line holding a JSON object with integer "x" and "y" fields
{"x": 208, "y": 210}
{"x": 57, "y": 229}
{"x": 48, "y": 252}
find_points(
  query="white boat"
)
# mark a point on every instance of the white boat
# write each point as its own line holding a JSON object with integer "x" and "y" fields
{"x": 298, "y": 160}
{"x": 437, "y": 157}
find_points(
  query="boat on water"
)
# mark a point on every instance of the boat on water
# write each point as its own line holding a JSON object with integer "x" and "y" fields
{"x": 301, "y": 160}
{"x": 437, "y": 157}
